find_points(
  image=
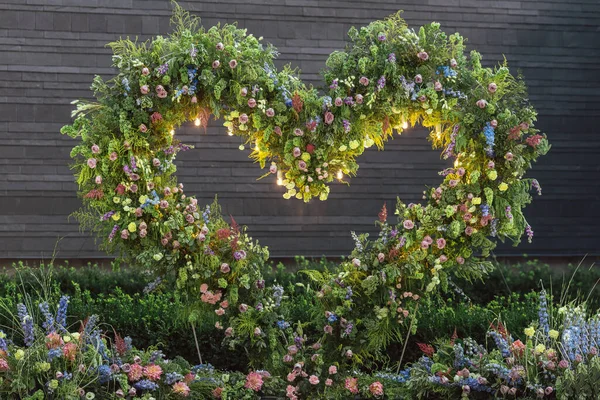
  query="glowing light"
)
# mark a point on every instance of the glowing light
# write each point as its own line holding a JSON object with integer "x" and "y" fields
{"x": 230, "y": 132}
{"x": 197, "y": 122}
{"x": 340, "y": 175}
{"x": 279, "y": 178}
{"x": 405, "y": 125}
{"x": 256, "y": 146}
{"x": 172, "y": 132}
{"x": 456, "y": 163}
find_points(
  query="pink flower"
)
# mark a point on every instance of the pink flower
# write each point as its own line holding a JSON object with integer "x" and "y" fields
{"x": 298, "y": 132}
{"x": 437, "y": 86}
{"x": 257, "y": 331}
{"x": 452, "y": 183}
{"x": 219, "y": 311}
{"x": 494, "y": 123}
{"x": 349, "y": 354}
{"x": 356, "y": 262}
{"x": 135, "y": 372}
{"x": 216, "y": 64}
{"x": 328, "y": 382}
{"x": 113, "y": 156}
{"x": 453, "y": 63}
{"x": 423, "y": 56}
{"x": 291, "y": 377}
{"x": 352, "y": 385}
{"x": 424, "y": 245}
{"x": 287, "y": 358}
{"x": 380, "y": 257}
{"x": 232, "y": 64}
{"x": 243, "y": 92}
{"x": 302, "y": 165}
{"x": 418, "y": 78}
{"x": 181, "y": 389}
{"x": 492, "y": 87}
{"x": 143, "y": 128}
{"x": 219, "y": 46}
{"x": 441, "y": 243}
{"x": 293, "y": 349}
{"x": 332, "y": 370}
{"x": 376, "y": 389}
{"x": 155, "y": 117}
{"x": 229, "y": 332}
{"x": 509, "y": 156}
{"x": 243, "y": 308}
{"x": 460, "y": 260}
{"x": 277, "y": 130}
{"x": 359, "y": 98}
{"x": 95, "y": 149}
{"x": 145, "y": 71}
{"x": 270, "y": 112}
{"x": 194, "y": 100}
{"x": 296, "y": 152}
{"x": 243, "y": 118}
{"x": 203, "y": 288}
{"x": 273, "y": 168}
{"x": 254, "y": 381}
{"x": 314, "y": 380}
{"x": 443, "y": 258}
{"x": 251, "y": 102}
{"x": 144, "y": 89}
{"x": 98, "y": 180}
{"x": 225, "y": 268}
{"x": 423, "y": 98}
{"x": 329, "y": 117}
{"x": 408, "y": 224}
{"x": 534, "y": 140}
{"x": 153, "y": 372}
{"x": 338, "y": 102}
{"x": 328, "y": 329}
{"x": 364, "y": 81}
{"x": 481, "y": 103}
{"x": 91, "y": 162}
{"x": 491, "y": 164}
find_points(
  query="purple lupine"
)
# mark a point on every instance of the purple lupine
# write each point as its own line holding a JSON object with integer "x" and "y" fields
{"x": 112, "y": 234}
{"x": 381, "y": 82}
{"x": 529, "y": 232}
{"x": 536, "y": 185}
{"x": 508, "y": 212}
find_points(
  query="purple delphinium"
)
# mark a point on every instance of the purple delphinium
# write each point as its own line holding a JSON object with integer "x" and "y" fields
{"x": 347, "y": 125}
{"x": 381, "y": 82}
{"x": 391, "y": 57}
{"x": 107, "y": 215}
{"x": 536, "y": 185}
{"x": 543, "y": 313}
{"x": 529, "y": 233}
{"x": 3, "y": 344}
{"x": 508, "y": 212}
{"x": 61, "y": 314}
{"x": 334, "y": 84}
{"x": 48, "y": 324}
{"x": 163, "y": 69}
{"x": 113, "y": 233}
{"x": 26, "y": 324}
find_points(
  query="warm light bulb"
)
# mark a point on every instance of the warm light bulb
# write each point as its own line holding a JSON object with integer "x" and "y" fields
{"x": 279, "y": 178}
{"x": 340, "y": 174}
{"x": 405, "y": 125}
{"x": 197, "y": 122}
{"x": 230, "y": 132}
{"x": 456, "y": 163}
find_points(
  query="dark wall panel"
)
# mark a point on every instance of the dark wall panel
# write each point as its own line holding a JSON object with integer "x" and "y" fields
{"x": 51, "y": 49}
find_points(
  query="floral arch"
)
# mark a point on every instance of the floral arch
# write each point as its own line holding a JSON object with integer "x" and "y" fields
{"x": 388, "y": 78}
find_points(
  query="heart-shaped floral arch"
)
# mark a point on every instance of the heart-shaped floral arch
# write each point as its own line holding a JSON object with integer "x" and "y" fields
{"x": 389, "y": 78}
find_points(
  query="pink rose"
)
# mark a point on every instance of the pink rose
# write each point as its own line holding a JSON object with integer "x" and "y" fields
{"x": 491, "y": 165}
{"x": 364, "y": 81}
{"x": 492, "y": 87}
{"x": 232, "y": 64}
{"x": 329, "y": 117}
{"x": 251, "y": 102}
{"x": 443, "y": 258}
{"x": 338, "y": 102}
{"x": 328, "y": 382}
{"x": 509, "y": 156}
{"x": 298, "y": 132}
{"x": 194, "y": 100}
{"x": 453, "y": 63}
{"x": 418, "y": 78}
{"x": 494, "y": 123}
{"x": 243, "y": 118}
{"x": 124, "y": 234}
{"x": 156, "y": 162}
{"x": 139, "y": 212}
{"x": 423, "y": 56}
{"x": 422, "y": 98}
{"x": 113, "y": 156}
{"x": 91, "y": 162}
{"x": 328, "y": 329}
{"x": 229, "y": 332}
{"x": 302, "y": 165}
{"x": 143, "y": 128}
{"x": 219, "y": 46}
{"x": 332, "y": 370}
{"x": 144, "y": 89}
{"x": 98, "y": 180}
{"x": 273, "y": 168}
{"x": 243, "y": 308}
{"x": 408, "y": 224}
{"x": 145, "y": 71}
{"x": 155, "y": 117}
{"x": 481, "y": 103}
{"x": 219, "y": 311}
{"x": 376, "y": 389}
{"x": 380, "y": 257}
{"x": 297, "y": 152}
{"x": 359, "y": 98}
{"x": 314, "y": 380}
{"x": 216, "y": 64}
{"x": 270, "y": 112}
{"x": 244, "y": 92}
{"x": 95, "y": 149}
{"x": 287, "y": 358}
{"x": 437, "y": 86}
{"x": 277, "y": 130}
{"x": 225, "y": 268}
{"x": 461, "y": 171}
{"x": 356, "y": 262}
{"x": 460, "y": 260}
{"x": 441, "y": 243}
{"x": 424, "y": 245}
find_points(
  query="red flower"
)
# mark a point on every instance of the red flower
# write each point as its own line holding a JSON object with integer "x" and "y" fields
{"x": 120, "y": 189}
{"x": 383, "y": 214}
{"x": 297, "y": 102}
{"x": 534, "y": 140}
{"x": 310, "y": 148}
{"x": 427, "y": 349}
{"x": 155, "y": 117}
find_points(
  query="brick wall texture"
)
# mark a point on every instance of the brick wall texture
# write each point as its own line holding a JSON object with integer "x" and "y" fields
{"x": 51, "y": 49}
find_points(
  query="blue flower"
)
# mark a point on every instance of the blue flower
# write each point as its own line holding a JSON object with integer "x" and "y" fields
{"x": 172, "y": 377}
{"x": 104, "y": 374}
{"x": 332, "y": 318}
{"x": 48, "y": 324}
{"x": 488, "y": 132}
{"x": 146, "y": 385}
{"x": 54, "y": 353}
{"x": 283, "y": 324}
{"x": 61, "y": 314}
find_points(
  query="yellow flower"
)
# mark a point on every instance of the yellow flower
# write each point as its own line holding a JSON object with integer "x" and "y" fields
{"x": 66, "y": 338}
{"x": 540, "y": 348}
{"x": 493, "y": 174}
{"x": 530, "y": 331}
{"x": 75, "y": 335}
{"x": 476, "y": 200}
{"x": 116, "y": 200}
{"x": 353, "y": 144}
{"x": 143, "y": 199}
{"x": 343, "y": 147}
{"x": 553, "y": 334}
{"x": 132, "y": 227}
{"x": 503, "y": 186}
{"x": 19, "y": 354}
{"x": 2, "y": 335}
{"x": 116, "y": 216}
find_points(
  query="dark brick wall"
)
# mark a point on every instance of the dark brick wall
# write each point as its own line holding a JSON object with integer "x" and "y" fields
{"x": 51, "y": 49}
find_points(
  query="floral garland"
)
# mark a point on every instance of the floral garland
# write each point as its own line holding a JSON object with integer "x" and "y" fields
{"x": 389, "y": 78}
